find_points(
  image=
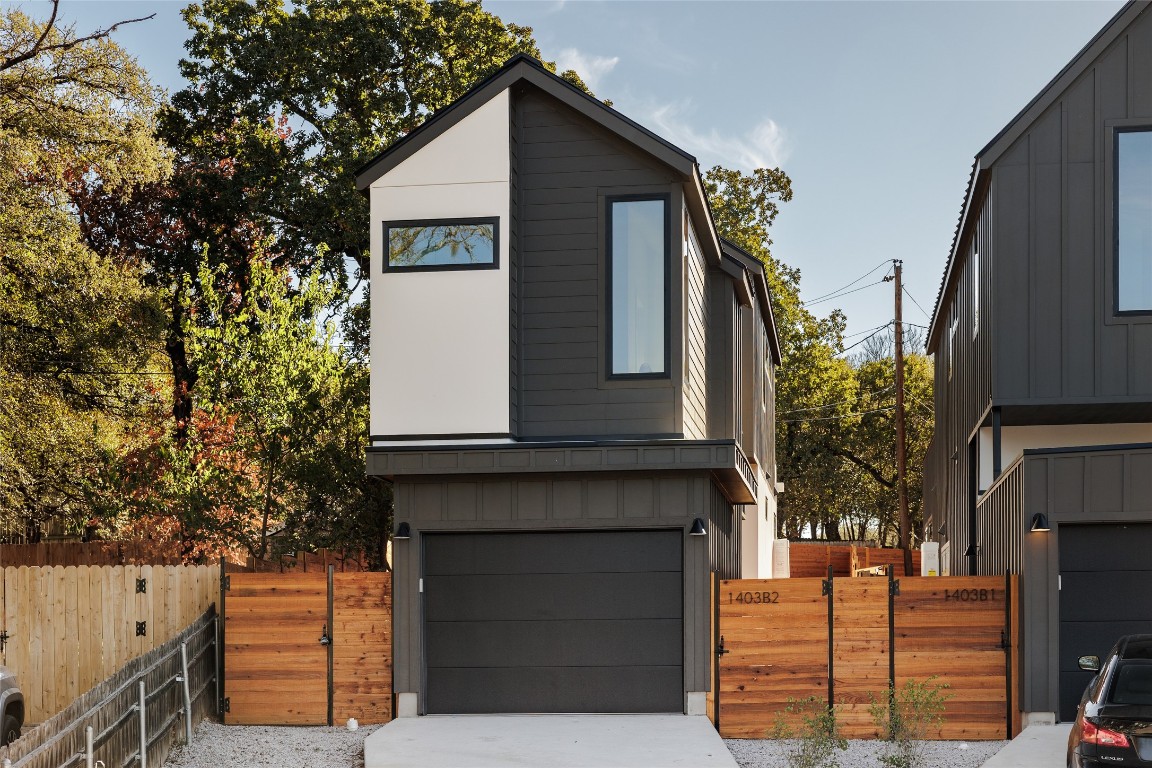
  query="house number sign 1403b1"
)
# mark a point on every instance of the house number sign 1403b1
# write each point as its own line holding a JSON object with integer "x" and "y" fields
{"x": 753, "y": 597}
{"x": 969, "y": 595}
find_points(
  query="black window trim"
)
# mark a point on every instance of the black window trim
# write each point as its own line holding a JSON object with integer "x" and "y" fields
{"x": 1115, "y": 189}
{"x": 609, "y": 201}
{"x": 494, "y": 264}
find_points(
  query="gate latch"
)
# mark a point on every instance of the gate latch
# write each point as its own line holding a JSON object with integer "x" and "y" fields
{"x": 720, "y": 649}
{"x": 324, "y": 638}
{"x": 4, "y": 637}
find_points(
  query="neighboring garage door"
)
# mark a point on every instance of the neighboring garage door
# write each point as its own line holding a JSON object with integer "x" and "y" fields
{"x": 1105, "y": 592}
{"x": 554, "y": 622}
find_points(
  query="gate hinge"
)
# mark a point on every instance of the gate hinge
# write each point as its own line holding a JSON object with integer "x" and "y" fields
{"x": 226, "y": 705}
{"x": 141, "y": 629}
{"x": 226, "y": 584}
{"x": 141, "y": 586}
{"x": 4, "y": 637}
{"x": 825, "y": 587}
{"x": 894, "y": 588}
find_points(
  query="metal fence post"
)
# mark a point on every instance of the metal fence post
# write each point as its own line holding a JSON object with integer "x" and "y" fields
{"x": 187, "y": 693}
{"x": 89, "y": 745}
{"x": 143, "y": 726}
{"x": 826, "y": 589}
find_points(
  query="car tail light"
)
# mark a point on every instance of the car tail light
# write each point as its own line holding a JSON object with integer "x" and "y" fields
{"x": 1094, "y": 734}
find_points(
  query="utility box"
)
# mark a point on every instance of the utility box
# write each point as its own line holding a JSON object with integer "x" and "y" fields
{"x": 930, "y": 558}
{"x": 781, "y": 565}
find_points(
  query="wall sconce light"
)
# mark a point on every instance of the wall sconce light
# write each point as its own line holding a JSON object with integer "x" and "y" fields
{"x": 943, "y": 530}
{"x": 1040, "y": 523}
{"x": 698, "y": 528}
{"x": 403, "y": 532}
{"x": 972, "y": 551}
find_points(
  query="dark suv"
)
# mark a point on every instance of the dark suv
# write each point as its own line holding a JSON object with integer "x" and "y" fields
{"x": 1114, "y": 722}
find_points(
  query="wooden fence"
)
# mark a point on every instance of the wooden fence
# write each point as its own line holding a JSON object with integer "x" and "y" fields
{"x": 811, "y": 559}
{"x": 66, "y": 629}
{"x": 54, "y": 553}
{"x": 111, "y": 708}
{"x": 277, "y": 670}
{"x": 782, "y": 635}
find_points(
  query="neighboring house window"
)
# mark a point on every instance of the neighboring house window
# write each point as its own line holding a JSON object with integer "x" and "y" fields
{"x": 638, "y": 266}
{"x": 975, "y": 293}
{"x": 441, "y": 244}
{"x": 1133, "y": 222}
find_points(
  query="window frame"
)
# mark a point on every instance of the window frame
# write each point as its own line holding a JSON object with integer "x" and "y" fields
{"x": 1113, "y": 189}
{"x": 609, "y": 202}
{"x": 386, "y": 255}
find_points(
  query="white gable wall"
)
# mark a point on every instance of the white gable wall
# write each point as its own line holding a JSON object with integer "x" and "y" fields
{"x": 440, "y": 341}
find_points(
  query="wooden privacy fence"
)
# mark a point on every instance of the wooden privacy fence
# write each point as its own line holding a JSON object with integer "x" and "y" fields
{"x": 788, "y": 638}
{"x": 307, "y": 648}
{"x": 91, "y": 553}
{"x": 65, "y": 629}
{"x": 810, "y": 559}
{"x": 120, "y": 731}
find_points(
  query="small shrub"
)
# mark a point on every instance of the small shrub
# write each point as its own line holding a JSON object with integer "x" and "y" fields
{"x": 907, "y": 719}
{"x": 817, "y": 742}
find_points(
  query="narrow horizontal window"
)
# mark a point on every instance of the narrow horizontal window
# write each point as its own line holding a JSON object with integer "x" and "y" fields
{"x": 441, "y": 244}
{"x": 638, "y": 259}
{"x": 1133, "y": 221}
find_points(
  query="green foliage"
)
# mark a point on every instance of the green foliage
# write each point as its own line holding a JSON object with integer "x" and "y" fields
{"x": 908, "y": 716}
{"x": 79, "y": 333}
{"x": 816, "y": 743}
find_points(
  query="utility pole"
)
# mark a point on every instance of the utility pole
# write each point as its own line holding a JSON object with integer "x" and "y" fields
{"x": 901, "y": 460}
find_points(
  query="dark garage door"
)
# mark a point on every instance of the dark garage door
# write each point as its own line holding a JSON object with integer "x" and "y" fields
{"x": 554, "y": 622}
{"x": 1105, "y": 592}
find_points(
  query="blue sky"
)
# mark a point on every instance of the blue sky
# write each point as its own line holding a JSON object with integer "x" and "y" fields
{"x": 875, "y": 109}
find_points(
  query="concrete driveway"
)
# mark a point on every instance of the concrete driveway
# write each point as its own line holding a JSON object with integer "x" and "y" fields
{"x": 1037, "y": 746}
{"x": 547, "y": 741}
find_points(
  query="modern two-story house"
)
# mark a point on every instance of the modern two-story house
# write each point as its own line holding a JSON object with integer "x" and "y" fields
{"x": 1041, "y": 462}
{"x": 572, "y": 394}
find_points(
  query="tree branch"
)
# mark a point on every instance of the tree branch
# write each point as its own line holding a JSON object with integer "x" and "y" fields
{"x": 864, "y": 465}
{"x": 40, "y": 48}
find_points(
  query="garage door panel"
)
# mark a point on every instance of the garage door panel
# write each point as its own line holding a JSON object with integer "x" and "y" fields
{"x": 576, "y": 552}
{"x": 540, "y": 643}
{"x": 1100, "y": 596}
{"x": 558, "y": 689}
{"x": 1079, "y": 638}
{"x": 1105, "y": 547}
{"x": 553, "y": 596}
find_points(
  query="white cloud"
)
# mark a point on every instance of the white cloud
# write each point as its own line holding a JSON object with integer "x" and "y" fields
{"x": 764, "y": 146}
{"x": 590, "y": 68}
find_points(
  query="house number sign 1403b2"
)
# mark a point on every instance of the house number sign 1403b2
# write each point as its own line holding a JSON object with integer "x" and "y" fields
{"x": 752, "y": 598}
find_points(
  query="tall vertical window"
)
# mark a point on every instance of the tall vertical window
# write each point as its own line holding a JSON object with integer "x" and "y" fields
{"x": 638, "y": 264}
{"x": 1133, "y": 223}
{"x": 975, "y": 293}
{"x": 952, "y": 341}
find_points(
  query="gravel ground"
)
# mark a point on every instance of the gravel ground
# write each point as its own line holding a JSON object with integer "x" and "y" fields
{"x": 254, "y": 746}
{"x": 259, "y": 746}
{"x": 764, "y": 753}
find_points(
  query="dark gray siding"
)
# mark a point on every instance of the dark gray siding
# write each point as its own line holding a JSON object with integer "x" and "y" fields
{"x": 721, "y": 357}
{"x": 724, "y": 534}
{"x": 1058, "y": 340}
{"x": 603, "y": 501}
{"x": 565, "y": 166}
{"x": 962, "y": 390}
{"x": 513, "y": 274}
{"x": 696, "y": 326}
{"x": 1071, "y": 487}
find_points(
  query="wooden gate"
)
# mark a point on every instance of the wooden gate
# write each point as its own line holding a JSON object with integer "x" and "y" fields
{"x": 789, "y": 639}
{"x": 307, "y": 648}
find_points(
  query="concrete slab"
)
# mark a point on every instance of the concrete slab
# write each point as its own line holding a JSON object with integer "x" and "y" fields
{"x": 1037, "y": 746}
{"x": 553, "y": 741}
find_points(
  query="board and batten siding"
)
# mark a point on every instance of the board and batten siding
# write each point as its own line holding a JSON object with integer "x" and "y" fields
{"x": 963, "y": 391}
{"x": 1059, "y": 339}
{"x": 696, "y": 328}
{"x": 560, "y": 502}
{"x": 566, "y": 166}
{"x": 440, "y": 339}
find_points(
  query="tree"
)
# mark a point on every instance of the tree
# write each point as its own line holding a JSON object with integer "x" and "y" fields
{"x": 78, "y": 332}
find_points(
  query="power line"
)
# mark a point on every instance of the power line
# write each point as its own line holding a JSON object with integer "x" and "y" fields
{"x": 909, "y": 295}
{"x": 858, "y": 343}
{"x": 842, "y": 402}
{"x": 831, "y": 294}
{"x": 841, "y": 295}
{"x": 835, "y": 418}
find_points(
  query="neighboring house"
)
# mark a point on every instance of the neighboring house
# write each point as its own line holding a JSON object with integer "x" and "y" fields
{"x": 1042, "y": 338}
{"x": 571, "y": 375}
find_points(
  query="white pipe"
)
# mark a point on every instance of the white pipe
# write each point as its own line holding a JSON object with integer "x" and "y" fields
{"x": 187, "y": 693}
{"x": 143, "y": 727}
{"x": 89, "y": 743}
